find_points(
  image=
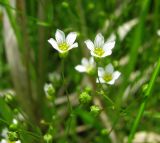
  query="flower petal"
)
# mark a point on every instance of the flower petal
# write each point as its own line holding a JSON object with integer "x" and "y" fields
{"x": 91, "y": 61}
{"x": 107, "y": 53}
{"x": 85, "y": 62}
{"x": 109, "y": 68}
{"x": 3, "y": 141}
{"x": 54, "y": 44}
{"x": 108, "y": 46}
{"x": 75, "y": 45}
{"x": 116, "y": 75}
{"x": 99, "y": 40}
{"x": 71, "y": 37}
{"x": 80, "y": 68}
{"x": 60, "y": 36}
{"x": 158, "y": 32}
{"x": 100, "y": 71}
{"x": 100, "y": 80}
{"x": 89, "y": 44}
{"x": 111, "y": 82}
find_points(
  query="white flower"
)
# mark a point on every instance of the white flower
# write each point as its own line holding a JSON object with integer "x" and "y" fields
{"x": 6, "y": 141}
{"x": 100, "y": 48}
{"x": 87, "y": 66}
{"x": 3, "y": 141}
{"x": 62, "y": 44}
{"x": 49, "y": 89}
{"x": 107, "y": 75}
{"x": 158, "y": 32}
{"x": 4, "y": 132}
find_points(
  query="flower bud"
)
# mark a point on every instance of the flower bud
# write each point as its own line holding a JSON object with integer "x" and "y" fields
{"x": 65, "y": 4}
{"x": 47, "y": 137}
{"x": 88, "y": 89}
{"x": 9, "y": 98}
{"x": 49, "y": 91}
{"x": 13, "y": 127}
{"x": 95, "y": 110}
{"x": 104, "y": 131}
{"x": 84, "y": 98}
{"x": 13, "y": 136}
{"x": 144, "y": 88}
{"x": 91, "y": 6}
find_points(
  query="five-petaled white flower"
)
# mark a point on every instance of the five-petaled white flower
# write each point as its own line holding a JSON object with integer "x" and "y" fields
{"x": 87, "y": 66}
{"x": 62, "y": 44}
{"x": 107, "y": 75}
{"x": 100, "y": 48}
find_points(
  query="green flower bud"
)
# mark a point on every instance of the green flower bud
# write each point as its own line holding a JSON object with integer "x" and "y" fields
{"x": 104, "y": 131}
{"x": 91, "y": 6}
{"x": 84, "y": 98}
{"x": 88, "y": 89}
{"x": 115, "y": 63}
{"x": 95, "y": 110}
{"x": 49, "y": 90}
{"x": 65, "y": 4}
{"x": 13, "y": 127}
{"x": 9, "y": 97}
{"x": 13, "y": 136}
{"x": 48, "y": 137}
{"x": 144, "y": 87}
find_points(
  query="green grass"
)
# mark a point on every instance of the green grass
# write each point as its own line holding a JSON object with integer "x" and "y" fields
{"x": 28, "y": 61}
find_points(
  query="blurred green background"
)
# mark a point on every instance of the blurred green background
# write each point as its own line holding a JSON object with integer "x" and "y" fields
{"x": 27, "y": 62}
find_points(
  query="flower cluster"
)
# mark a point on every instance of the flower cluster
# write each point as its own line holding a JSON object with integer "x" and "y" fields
{"x": 98, "y": 49}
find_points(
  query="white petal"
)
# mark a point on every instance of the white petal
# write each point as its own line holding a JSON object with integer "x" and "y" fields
{"x": 100, "y": 71}
{"x": 3, "y": 141}
{"x": 111, "y": 82}
{"x": 158, "y": 32}
{"x": 85, "y": 62}
{"x": 100, "y": 80}
{"x": 108, "y": 46}
{"x": 89, "y": 44}
{"x": 71, "y": 37}
{"x": 91, "y": 60}
{"x": 107, "y": 53}
{"x": 75, "y": 45}
{"x": 80, "y": 68}
{"x": 116, "y": 75}
{"x": 54, "y": 44}
{"x": 99, "y": 40}
{"x": 60, "y": 36}
{"x": 109, "y": 68}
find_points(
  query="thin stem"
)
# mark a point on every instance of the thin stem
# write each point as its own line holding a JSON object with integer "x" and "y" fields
{"x": 69, "y": 103}
{"x": 63, "y": 80}
{"x": 143, "y": 104}
{"x": 32, "y": 134}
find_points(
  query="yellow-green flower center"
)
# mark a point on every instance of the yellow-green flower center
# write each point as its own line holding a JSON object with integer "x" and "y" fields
{"x": 107, "y": 77}
{"x": 99, "y": 51}
{"x": 90, "y": 69}
{"x": 63, "y": 46}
